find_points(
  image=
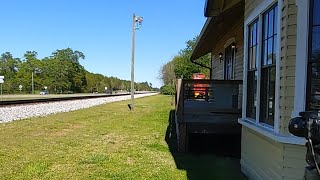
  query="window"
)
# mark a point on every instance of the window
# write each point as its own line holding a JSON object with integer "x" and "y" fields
{"x": 268, "y": 65}
{"x": 229, "y": 63}
{"x": 313, "y": 89}
{"x": 252, "y": 70}
{"x": 262, "y": 54}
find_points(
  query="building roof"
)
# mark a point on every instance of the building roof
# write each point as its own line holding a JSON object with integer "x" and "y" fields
{"x": 214, "y": 27}
{"x": 215, "y": 7}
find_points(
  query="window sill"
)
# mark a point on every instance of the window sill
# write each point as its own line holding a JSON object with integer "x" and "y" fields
{"x": 268, "y": 132}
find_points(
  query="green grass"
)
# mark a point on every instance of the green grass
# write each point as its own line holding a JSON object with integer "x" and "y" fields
{"x": 103, "y": 142}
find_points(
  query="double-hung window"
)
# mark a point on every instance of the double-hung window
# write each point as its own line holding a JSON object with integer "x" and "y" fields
{"x": 263, "y": 60}
{"x": 313, "y": 88}
{"x": 252, "y": 70}
{"x": 268, "y": 65}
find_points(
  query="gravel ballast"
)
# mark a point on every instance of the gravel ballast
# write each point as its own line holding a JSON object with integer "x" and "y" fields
{"x": 12, "y": 113}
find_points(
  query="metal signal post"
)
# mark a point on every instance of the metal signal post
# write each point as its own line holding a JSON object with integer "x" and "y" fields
{"x": 1, "y": 81}
{"x": 137, "y": 21}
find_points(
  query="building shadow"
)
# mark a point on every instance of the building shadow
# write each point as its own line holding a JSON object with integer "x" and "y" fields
{"x": 204, "y": 160}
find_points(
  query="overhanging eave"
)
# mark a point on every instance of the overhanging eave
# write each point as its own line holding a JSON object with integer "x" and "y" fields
{"x": 201, "y": 47}
{"x": 216, "y": 7}
{"x": 214, "y": 28}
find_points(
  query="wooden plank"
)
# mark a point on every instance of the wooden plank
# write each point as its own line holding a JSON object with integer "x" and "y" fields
{"x": 210, "y": 128}
{"x": 182, "y": 138}
{"x": 216, "y": 81}
{"x": 180, "y": 103}
{"x": 263, "y": 155}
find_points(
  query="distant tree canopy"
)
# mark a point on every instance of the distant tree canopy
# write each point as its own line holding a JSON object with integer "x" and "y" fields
{"x": 60, "y": 73}
{"x": 180, "y": 66}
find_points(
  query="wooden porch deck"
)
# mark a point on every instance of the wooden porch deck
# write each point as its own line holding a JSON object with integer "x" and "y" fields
{"x": 203, "y": 117}
{"x": 216, "y": 113}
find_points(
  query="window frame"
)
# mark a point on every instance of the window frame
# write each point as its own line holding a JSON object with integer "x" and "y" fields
{"x": 267, "y": 66}
{"x": 250, "y": 63}
{"x": 300, "y": 95}
{"x": 257, "y": 14}
{"x": 309, "y": 62}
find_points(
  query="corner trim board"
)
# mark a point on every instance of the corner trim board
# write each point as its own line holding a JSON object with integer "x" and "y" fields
{"x": 301, "y": 57}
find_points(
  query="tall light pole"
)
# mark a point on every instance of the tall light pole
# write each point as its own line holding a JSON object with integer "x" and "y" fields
{"x": 32, "y": 82}
{"x": 136, "y": 24}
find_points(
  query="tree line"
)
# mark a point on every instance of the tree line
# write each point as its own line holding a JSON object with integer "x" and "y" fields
{"x": 59, "y": 73}
{"x": 180, "y": 66}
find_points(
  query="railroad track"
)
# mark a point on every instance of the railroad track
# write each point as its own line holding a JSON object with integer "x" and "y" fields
{"x": 55, "y": 99}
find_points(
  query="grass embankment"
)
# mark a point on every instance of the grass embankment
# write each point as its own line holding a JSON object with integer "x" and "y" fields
{"x": 103, "y": 142}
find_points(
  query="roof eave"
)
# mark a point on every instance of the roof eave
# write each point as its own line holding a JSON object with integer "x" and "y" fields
{"x": 215, "y": 7}
{"x": 214, "y": 25}
{"x": 197, "y": 52}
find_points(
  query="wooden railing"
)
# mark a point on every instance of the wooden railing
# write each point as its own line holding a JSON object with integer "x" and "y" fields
{"x": 221, "y": 96}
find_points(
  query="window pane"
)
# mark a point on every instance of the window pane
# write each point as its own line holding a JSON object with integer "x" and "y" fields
{"x": 257, "y": 58}
{"x": 316, "y": 44}
{"x": 253, "y": 40}
{"x": 315, "y": 87}
{"x": 315, "y": 78}
{"x": 265, "y": 26}
{"x": 254, "y": 34}
{"x": 270, "y": 28}
{"x": 316, "y": 70}
{"x": 252, "y": 94}
{"x": 256, "y": 31}
{"x": 316, "y": 12}
{"x": 270, "y": 53}
{"x": 249, "y": 58}
{"x": 250, "y": 36}
{"x": 275, "y": 19}
{"x": 254, "y": 55}
{"x": 275, "y": 49}
{"x": 267, "y": 99}
{"x": 265, "y": 53}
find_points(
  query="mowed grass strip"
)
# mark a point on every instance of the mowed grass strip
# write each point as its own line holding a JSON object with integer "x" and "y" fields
{"x": 102, "y": 142}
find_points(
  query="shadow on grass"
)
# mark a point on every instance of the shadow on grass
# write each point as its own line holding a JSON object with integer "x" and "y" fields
{"x": 204, "y": 163}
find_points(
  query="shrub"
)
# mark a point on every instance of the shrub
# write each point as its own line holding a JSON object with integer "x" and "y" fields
{"x": 167, "y": 89}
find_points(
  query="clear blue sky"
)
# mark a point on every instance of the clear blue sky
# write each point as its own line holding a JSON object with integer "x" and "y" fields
{"x": 102, "y": 30}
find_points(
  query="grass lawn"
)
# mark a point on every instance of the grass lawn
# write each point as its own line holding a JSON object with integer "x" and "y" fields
{"x": 104, "y": 142}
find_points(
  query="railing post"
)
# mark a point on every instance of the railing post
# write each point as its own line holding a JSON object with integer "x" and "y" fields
{"x": 179, "y": 102}
{"x": 178, "y": 89}
{"x": 207, "y": 95}
{"x": 180, "y": 125}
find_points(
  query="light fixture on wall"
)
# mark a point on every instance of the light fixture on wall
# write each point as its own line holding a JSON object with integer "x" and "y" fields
{"x": 233, "y": 46}
{"x": 220, "y": 57}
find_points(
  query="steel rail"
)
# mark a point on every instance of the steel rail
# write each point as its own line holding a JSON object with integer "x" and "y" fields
{"x": 56, "y": 99}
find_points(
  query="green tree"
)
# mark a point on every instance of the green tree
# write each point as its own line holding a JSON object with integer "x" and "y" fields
{"x": 60, "y": 73}
{"x": 9, "y": 66}
{"x": 180, "y": 65}
{"x": 70, "y": 75}
{"x": 184, "y": 68}
{"x": 30, "y": 65}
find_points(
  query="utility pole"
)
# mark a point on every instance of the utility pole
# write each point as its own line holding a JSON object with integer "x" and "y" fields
{"x": 1, "y": 89}
{"x": 32, "y": 82}
{"x": 132, "y": 61}
{"x": 136, "y": 24}
{"x": 1, "y": 81}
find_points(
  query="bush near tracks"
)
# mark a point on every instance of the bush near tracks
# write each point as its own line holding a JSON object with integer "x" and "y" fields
{"x": 104, "y": 142}
{"x": 167, "y": 89}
